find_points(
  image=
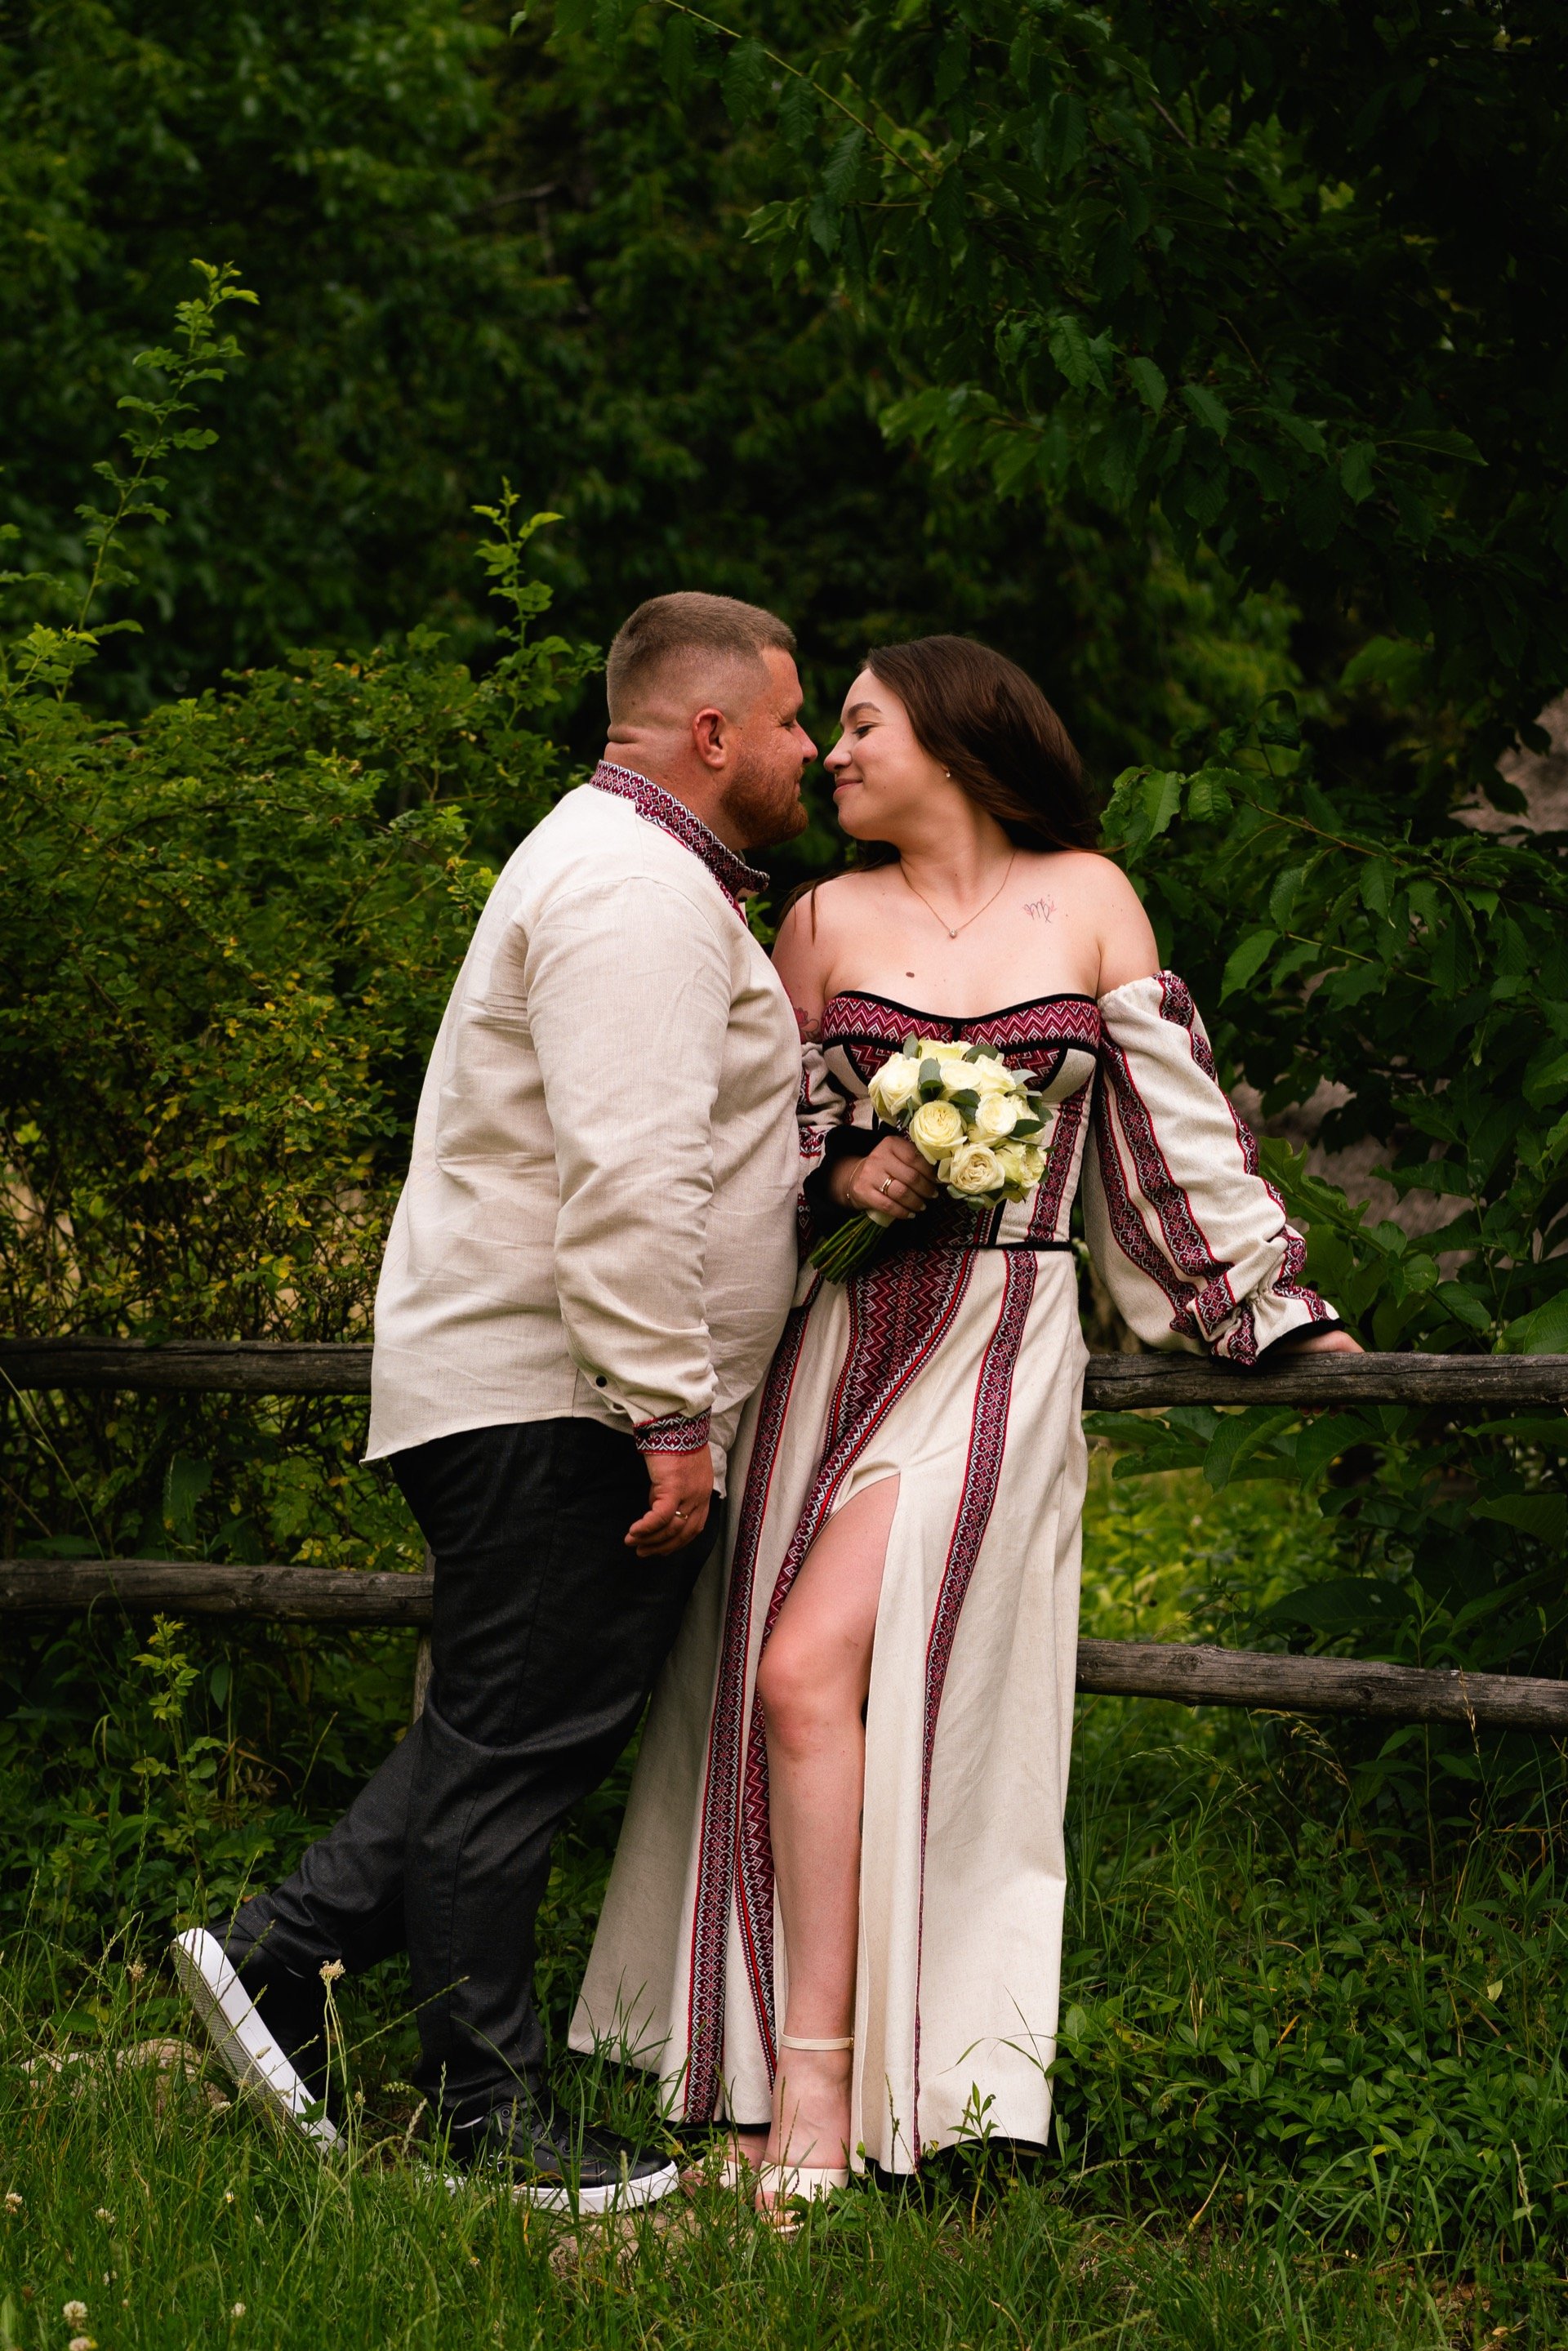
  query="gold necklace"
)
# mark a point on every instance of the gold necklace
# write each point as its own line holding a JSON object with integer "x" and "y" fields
{"x": 975, "y": 917}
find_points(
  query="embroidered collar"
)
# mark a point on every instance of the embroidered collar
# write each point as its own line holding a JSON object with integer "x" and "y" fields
{"x": 735, "y": 877}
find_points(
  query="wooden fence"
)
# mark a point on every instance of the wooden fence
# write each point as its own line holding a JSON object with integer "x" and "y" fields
{"x": 1190, "y": 1674}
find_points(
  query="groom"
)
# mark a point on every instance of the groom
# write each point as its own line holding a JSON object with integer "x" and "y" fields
{"x": 589, "y": 1267}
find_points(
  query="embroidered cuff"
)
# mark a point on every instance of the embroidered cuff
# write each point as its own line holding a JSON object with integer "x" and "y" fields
{"x": 672, "y": 1434}
{"x": 840, "y": 1143}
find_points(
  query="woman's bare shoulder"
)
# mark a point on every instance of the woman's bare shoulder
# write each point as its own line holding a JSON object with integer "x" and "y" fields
{"x": 824, "y": 910}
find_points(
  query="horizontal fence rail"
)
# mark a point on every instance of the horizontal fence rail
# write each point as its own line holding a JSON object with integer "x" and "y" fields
{"x": 1113, "y": 1382}
{"x": 1190, "y": 1674}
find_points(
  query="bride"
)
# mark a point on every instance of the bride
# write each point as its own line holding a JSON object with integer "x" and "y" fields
{"x": 835, "y": 1915}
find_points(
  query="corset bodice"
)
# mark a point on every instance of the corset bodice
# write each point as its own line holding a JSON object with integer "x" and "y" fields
{"x": 1055, "y": 1037}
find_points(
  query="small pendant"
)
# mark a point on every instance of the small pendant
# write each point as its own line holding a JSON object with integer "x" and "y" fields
{"x": 952, "y": 935}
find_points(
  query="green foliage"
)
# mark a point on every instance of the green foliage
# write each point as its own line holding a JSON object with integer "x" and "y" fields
{"x": 176, "y": 2222}
{"x": 1430, "y": 979}
{"x": 226, "y": 938}
{"x": 1283, "y": 272}
{"x": 478, "y": 257}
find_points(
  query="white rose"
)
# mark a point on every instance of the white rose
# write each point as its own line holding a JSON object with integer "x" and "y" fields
{"x": 989, "y": 1077}
{"x": 975, "y": 1169}
{"x": 936, "y": 1129}
{"x": 995, "y": 1117}
{"x": 1022, "y": 1163}
{"x": 894, "y": 1087}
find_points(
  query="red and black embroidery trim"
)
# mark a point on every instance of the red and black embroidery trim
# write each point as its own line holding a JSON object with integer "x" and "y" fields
{"x": 982, "y": 1473}
{"x": 735, "y": 877}
{"x": 1178, "y": 1007}
{"x": 716, "y": 1850}
{"x": 672, "y": 1435}
{"x": 900, "y": 1312}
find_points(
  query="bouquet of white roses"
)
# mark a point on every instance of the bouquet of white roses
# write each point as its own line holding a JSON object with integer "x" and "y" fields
{"x": 969, "y": 1116}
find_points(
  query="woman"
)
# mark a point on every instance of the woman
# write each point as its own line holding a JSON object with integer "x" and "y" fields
{"x": 835, "y": 1915}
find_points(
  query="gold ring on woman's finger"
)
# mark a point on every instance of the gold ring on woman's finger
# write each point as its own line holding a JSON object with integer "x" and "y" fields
{"x": 886, "y": 1185}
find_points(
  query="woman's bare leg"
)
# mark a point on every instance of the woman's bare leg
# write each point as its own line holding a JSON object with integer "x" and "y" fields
{"x": 813, "y": 1680}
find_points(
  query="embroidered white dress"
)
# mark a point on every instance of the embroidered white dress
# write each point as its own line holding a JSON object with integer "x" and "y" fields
{"x": 956, "y": 1364}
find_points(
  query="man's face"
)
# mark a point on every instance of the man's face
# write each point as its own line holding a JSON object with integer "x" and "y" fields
{"x": 762, "y": 795}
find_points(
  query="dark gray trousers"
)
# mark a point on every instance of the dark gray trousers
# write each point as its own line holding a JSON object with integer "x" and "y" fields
{"x": 547, "y": 1638}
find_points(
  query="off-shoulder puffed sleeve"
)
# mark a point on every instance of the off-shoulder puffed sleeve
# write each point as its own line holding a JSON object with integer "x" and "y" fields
{"x": 1192, "y": 1242}
{"x": 822, "y": 1105}
{"x": 825, "y": 1115}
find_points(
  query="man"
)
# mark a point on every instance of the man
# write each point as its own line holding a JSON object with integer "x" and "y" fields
{"x": 589, "y": 1267}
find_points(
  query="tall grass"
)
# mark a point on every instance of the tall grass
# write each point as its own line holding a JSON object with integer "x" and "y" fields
{"x": 1312, "y": 2089}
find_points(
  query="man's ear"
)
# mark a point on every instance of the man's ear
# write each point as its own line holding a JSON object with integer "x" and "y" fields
{"x": 710, "y": 736}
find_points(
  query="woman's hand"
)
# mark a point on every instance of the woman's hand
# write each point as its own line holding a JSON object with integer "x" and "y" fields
{"x": 1336, "y": 1342}
{"x": 893, "y": 1179}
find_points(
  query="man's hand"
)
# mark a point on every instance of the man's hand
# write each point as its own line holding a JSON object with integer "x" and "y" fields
{"x": 892, "y": 1179}
{"x": 680, "y": 1490}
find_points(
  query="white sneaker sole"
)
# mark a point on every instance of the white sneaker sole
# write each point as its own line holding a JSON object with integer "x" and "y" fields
{"x": 234, "y": 2026}
{"x": 618, "y": 2196}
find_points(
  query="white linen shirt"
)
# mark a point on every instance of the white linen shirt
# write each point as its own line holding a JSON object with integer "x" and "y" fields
{"x": 598, "y": 1218}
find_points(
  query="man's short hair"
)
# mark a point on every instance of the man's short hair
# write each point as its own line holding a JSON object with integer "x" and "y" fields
{"x": 689, "y": 629}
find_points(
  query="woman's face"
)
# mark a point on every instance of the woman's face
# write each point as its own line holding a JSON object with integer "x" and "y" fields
{"x": 884, "y": 784}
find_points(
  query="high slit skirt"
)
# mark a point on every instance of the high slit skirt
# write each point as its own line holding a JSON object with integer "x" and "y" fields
{"x": 960, "y": 1371}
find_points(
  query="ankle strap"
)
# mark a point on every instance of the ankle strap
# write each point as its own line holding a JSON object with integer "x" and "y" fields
{"x": 795, "y": 2041}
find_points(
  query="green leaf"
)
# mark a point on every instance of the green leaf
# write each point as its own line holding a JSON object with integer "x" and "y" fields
{"x": 1209, "y": 408}
{"x": 1300, "y": 429}
{"x": 1066, "y": 132}
{"x": 1355, "y": 471}
{"x": 678, "y": 54}
{"x": 1543, "y": 1331}
{"x": 1339, "y": 1605}
{"x": 1247, "y": 960}
{"x": 1148, "y": 384}
{"x": 1209, "y": 800}
{"x": 746, "y": 82}
{"x": 952, "y": 65}
{"x": 839, "y": 171}
{"x": 1463, "y": 1305}
{"x": 1162, "y": 801}
{"x": 1070, "y": 349}
{"x": 1239, "y": 1437}
{"x": 797, "y": 111}
{"x": 1545, "y": 1516}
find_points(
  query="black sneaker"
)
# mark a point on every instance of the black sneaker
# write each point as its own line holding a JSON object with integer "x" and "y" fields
{"x": 548, "y": 2159}
{"x": 270, "y": 2030}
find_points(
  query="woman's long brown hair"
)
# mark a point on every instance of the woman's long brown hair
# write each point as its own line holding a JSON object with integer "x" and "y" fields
{"x": 991, "y": 727}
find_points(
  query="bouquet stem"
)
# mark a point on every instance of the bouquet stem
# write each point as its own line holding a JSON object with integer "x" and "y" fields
{"x": 846, "y": 1251}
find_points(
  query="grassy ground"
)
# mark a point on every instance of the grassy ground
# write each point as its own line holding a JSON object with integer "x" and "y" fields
{"x": 1311, "y": 2090}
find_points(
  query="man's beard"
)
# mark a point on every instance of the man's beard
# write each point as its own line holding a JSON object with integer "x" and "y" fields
{"x": 763, "y": 809}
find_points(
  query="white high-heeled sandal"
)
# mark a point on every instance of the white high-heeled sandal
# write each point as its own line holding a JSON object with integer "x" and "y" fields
{"x": 788, "y": 2183}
